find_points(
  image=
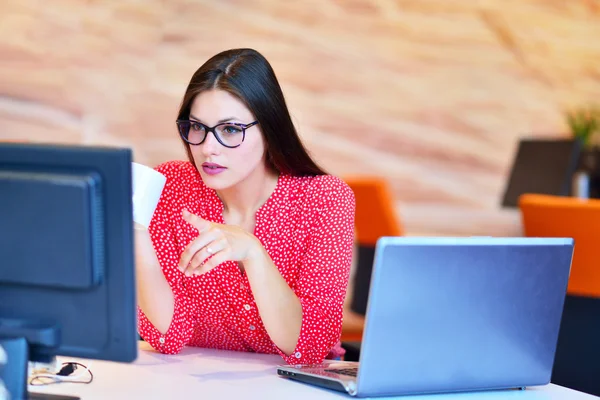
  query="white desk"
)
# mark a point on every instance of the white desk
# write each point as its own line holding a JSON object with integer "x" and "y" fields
{"x": 205, "y": 374}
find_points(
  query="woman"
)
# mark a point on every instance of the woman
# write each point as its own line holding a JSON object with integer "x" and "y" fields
{"x": 250, "y": 246}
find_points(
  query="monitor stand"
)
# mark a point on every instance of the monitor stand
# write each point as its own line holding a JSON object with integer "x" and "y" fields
{"x": 14, "y": 373}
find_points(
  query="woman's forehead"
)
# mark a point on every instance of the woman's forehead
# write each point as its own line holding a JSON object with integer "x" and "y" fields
{"x": 215, "y": 105}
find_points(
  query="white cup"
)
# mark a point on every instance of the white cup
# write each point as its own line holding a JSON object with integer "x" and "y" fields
{"x": 147, "y": 188}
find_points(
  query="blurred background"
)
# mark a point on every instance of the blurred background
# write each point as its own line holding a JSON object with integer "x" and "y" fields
{"x": 440, "y": 114}
{"x": 431, "y": 95}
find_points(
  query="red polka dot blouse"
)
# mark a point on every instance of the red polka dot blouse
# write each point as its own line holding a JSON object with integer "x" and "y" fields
{"x": 306, "y": 226}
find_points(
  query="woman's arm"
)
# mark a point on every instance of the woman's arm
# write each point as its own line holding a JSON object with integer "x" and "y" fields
{"x": 166, "y": 314}
{"x": 279, "y": 307}
{"x": 304, "y": 322}
{"x": 154, "y": 295}
{"x": 324, "y": 269}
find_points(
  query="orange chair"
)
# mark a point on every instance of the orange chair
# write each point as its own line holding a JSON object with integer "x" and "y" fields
{"x": 554, "y": 216}
{"x": 375, "y": 210}
{"x": 375, "y": 217}
{"x": 577, "y": 362}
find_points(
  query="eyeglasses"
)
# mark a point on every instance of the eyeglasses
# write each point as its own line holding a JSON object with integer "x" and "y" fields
{"x": 229, "y": 134}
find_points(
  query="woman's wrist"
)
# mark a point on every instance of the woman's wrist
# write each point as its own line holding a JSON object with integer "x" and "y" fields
{"x": 257, "y": 255}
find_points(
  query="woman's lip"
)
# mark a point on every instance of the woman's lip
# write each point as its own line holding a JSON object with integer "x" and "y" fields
{"x": 212, "y": 171}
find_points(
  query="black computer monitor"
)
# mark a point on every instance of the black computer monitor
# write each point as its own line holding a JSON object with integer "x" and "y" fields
{"x": 67, "y": 282}
{"x": 544, "y": 166}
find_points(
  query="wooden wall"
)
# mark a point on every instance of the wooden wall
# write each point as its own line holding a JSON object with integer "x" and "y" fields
{"x": 431, "y": 94}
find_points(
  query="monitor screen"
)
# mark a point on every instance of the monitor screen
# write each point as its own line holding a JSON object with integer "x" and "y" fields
{"x": 67, "y": 282}
{"x": 544, "y": 166}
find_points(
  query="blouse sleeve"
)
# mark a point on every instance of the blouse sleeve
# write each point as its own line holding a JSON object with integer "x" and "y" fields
{"x": 163, "y": 237}
{"x": 324, "y": 272}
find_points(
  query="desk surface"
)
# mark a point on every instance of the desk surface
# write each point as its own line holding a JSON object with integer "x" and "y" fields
{"x": 205, "y": 374}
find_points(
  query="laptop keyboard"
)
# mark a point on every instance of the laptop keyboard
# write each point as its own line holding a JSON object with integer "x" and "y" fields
{"x": 344, "y": 371}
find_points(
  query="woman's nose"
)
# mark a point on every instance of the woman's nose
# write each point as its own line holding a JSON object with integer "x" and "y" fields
{"x": 211, "y": 144}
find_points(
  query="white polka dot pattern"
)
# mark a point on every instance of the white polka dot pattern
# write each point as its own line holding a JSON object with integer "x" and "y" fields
{"x": 306, "y": 226}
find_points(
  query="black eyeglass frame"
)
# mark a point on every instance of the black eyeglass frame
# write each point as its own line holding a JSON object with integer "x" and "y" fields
{"x": 207, "y": 129}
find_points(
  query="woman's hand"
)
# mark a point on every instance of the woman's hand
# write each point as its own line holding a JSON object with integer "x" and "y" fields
{"x": 216, "y": 244}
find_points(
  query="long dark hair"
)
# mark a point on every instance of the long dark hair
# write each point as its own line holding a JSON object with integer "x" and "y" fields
{"x": 246, "y": 74}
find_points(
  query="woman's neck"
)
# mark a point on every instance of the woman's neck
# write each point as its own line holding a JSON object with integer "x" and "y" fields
{"x": 241, "y": 201}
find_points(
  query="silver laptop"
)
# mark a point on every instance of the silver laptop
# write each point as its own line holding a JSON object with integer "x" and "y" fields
{"x": 453, "y": 315}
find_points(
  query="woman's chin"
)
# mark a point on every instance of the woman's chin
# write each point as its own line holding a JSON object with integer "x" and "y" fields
{"x": 216, "y": 182}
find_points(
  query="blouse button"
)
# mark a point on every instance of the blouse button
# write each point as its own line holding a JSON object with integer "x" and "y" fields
{"x": 247, "y": 307}
{"x": 252, "y": 327}
{"x": 161, "y": 340}
{"x": 298, "y": 354}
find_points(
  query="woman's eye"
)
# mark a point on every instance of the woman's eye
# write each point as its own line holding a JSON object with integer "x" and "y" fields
{"x": 232, "y": 129}
{"x": 196, "y": 127}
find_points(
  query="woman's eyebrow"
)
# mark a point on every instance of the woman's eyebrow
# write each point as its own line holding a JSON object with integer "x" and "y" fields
{"x": 218, "y": 122}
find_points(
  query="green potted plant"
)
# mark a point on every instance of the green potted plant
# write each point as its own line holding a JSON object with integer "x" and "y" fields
{"x": 584, "y": 124}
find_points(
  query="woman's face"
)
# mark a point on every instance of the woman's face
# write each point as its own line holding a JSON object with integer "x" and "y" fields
{"x": 219, "y": 166}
